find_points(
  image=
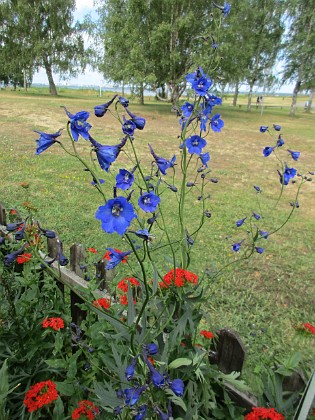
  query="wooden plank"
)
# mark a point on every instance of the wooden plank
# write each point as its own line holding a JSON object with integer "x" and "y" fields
{"x": 3, "y": 218}
{"x": 77, "y": 256}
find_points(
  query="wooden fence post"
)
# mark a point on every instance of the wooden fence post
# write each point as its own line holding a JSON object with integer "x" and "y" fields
{"x": 77, "y": 256}
{"x": 3, "y": 218}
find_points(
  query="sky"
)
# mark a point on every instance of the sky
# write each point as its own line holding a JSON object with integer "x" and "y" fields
{"x": 90, "y": 77}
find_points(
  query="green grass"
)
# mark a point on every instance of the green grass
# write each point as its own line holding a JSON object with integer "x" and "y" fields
{"x": 262, "y": 298}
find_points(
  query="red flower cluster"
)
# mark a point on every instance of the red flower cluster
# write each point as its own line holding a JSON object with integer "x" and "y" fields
{"x": 306, "y": 327}
{"x": 54, "y": 323}
{"x": 259, "y": 413}
{"x": 107, "y": 256}
{"x": 123, "y": 284}
{"x": 124, "y": 300}
{"x": 85, "y": 408}
{"x": 206, "y": 334}
{"x": 179, "y": 278}
{"x": 102, "y": 302}
{"x": 40, "y": 394}
{"x": 24, "y": 258}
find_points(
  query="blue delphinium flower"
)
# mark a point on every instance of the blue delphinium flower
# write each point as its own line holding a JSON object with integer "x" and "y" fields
{"x": 151, "y": 348}
{"x": 106, "y": 155}
{"x": 258, "y": 249}
{"x": 124, "y": 179}
{"x": 100, "y": 110}
{"x": 123, "y": 101}
{"x": 163, "y": 164}
{"x": 10, "y": 258}
{"x": 200, "y": 82}
{"x": 187, "y": 109}
{"x": 216, "y": 123}
{"x": 177, "y": 386}
{"x": 268, "y": 150}
{"x": 78, "y": 124}
{"x": 263, "y": 234}
{"x": 116, "y": 215}
{"x": 263, "y": 128}
{"x": 141, "y": 412}
{"x": 212, "y": 100}
{"x": 225, "y": 9}
{"x": 277, "y": 127}
{"x": 195, "y": 144}
{"x": 294, "y": 155}
{"x": 115, "y": 258}
{"x": 205, "y": 157}
{"x": 138, "y": 121}
{"x": 203, "y": 122}
{"x": 240, "y": 222}
{"x": 256, "y": 215}
{"x": 132, "y": 395}
{"x": 148, "y": 202}
{"x": 142, "y": 234}
{"x": 280, "y": 141}
{"x": 2, "y": 240}
{"x": 257, "y": 188}
{"x": 11, "y": 227}
{"x": 165, "y": 416}
{"x": 128, "y": 127}
{"x": 294, "y": 204}
{"x": 236, "y": 247}
{"x": 94, "y": 182}
{"x": 130, "y": 370}
{"x": 287, "y": 175}
{"x": 46, "y": 140}
{"x": 156, "y": 377}
{"x": 62, "y": 259}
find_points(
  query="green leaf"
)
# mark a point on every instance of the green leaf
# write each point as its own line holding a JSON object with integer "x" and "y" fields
{"x": 58, "y": 409}
{"x": 182, "y": 361}
{"x": 56, "y": 363}
{"x": 65, "y": 388}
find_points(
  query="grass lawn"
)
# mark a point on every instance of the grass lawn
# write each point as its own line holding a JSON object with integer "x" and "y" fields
{"x": 263, "y": 298}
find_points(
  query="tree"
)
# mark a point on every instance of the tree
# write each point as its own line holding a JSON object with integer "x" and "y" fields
{"x": 40, "y": 33}
{"x": 155, "y": 42}
{"x": 299, "y": 51}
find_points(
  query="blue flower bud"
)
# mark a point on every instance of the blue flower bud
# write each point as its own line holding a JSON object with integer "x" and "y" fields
{"x": 240, "y": 222}
{"x": 151, "y": 349}
{"x": 177, "y": 386}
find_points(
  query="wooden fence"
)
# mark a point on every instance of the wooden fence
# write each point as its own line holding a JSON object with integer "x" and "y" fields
{"x": 228, "y": 351}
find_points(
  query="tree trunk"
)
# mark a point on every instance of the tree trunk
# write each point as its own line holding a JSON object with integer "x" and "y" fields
{"x": 296, "y": 90}
{"x": 310, "y": 100}
{"x": 250, "y": 94}
{"x": 24, "y": 80}
{"x": 52, "y": 86}
{"x": 235, "y": 94}
{"x": 123, "y": 88}
{"x": 141, "y": 94}
{"x": 174, "y": 93}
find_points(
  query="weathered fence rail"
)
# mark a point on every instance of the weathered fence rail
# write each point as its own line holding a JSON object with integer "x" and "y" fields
{"x": 228, "y": 352}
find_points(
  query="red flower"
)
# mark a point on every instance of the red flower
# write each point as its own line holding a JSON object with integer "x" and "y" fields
{"x": 309, "y": 327}
{"x": 92, "y": 250}
{"x": 123, "y": 284}
{"x": 54, "y": 323}
{"x": 102, "y": 302}
{"x": 13, "y": 211}
{"x": 179, "y": 278}
{"x": 123, "y": 300}
{"x": 85, "y": 408}
{"x": 23, "y": 258}
{"x": 207, "y": 334}
{"x": 107, "y": 256}
{"x": 259, "y": 413}
{"x": 306, "y": 327}
{"x": 39, "y": 395}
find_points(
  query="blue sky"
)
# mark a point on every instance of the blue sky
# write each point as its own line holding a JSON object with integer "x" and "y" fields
{"x": 90, "y": 77}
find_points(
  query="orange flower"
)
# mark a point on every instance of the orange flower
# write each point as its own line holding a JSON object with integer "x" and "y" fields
{"x": 259, "y": 413}
{"x": 54, "y": 323}
{"x": 92, "y": 250}
{"x": 102, "y": 303}
{"x": 24, "y": 258}
{"x": 86, "y": 409}
{"x": 39, "y": 395}
{"x": 179, "y": 278}
{"x": 123, "y": 284}
{"x": 206, "y": 334}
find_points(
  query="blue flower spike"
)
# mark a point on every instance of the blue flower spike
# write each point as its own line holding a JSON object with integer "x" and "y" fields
{"x": 294, "y": 155}
{"x": 240, "y": 222}
{"x": 236, "y": 247}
